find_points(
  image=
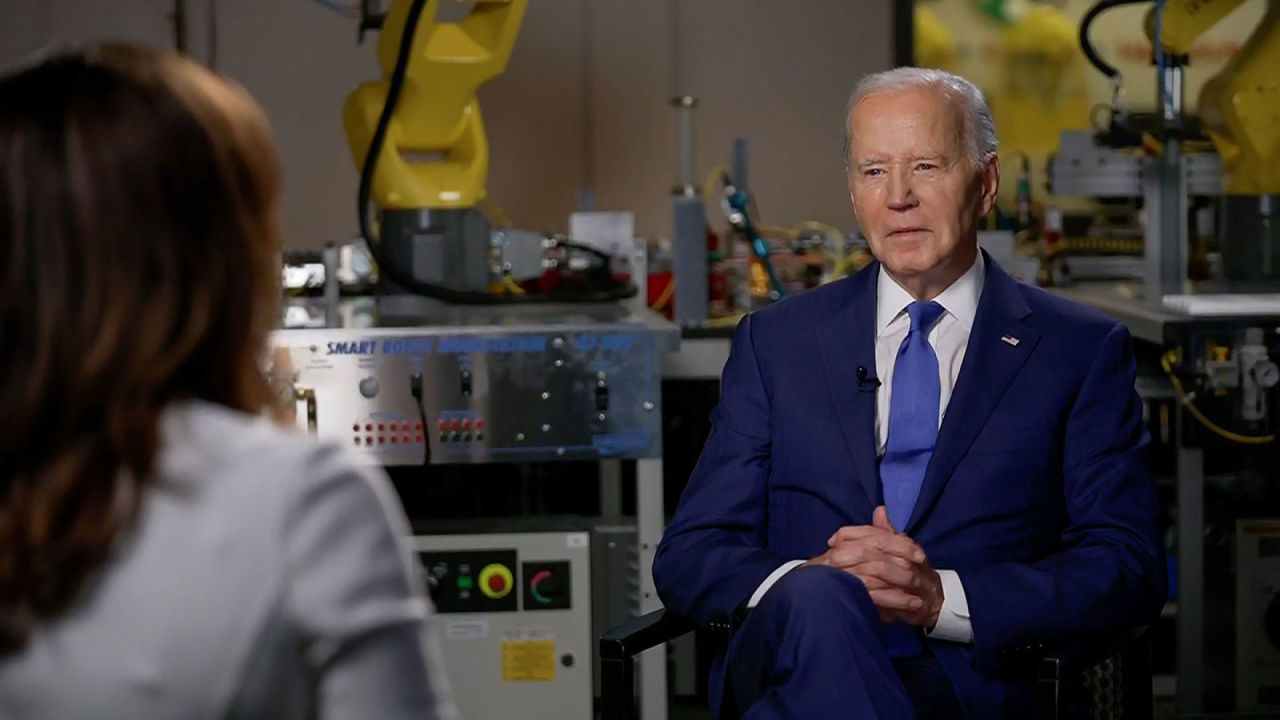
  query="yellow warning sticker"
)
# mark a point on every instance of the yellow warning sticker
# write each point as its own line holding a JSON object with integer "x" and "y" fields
{"x": 528, "y": 661}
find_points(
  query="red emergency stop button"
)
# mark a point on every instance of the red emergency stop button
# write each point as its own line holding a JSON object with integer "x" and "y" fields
{"x": 496, "y": 581}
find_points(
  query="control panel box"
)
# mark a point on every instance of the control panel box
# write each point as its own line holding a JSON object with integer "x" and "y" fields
{"x": 1258, "y": 614}
{"x": 481, "y": 384}
{"x": 514, "y": 621}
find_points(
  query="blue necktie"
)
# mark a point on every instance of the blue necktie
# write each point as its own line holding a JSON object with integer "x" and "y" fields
{"x": 913, "y": 415}
{"x": 913, "y": 430}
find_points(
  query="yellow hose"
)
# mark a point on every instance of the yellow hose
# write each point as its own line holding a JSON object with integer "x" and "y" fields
{"x": 709, "y": 198}
{"x": 1166, "y": 362}
{"x": 665, "y": 296}
{"x": 506, "y": 284}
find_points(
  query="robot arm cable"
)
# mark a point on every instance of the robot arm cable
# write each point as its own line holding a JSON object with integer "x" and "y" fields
{"x": 1087, "y": 46}
{"x": 385, "y": 265}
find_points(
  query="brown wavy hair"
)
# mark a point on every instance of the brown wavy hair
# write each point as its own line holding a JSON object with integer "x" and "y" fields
{"x": 138, "y": 266}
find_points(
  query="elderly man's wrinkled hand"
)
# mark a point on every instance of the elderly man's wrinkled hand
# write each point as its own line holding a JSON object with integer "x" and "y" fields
{"x": 897, "y": 574}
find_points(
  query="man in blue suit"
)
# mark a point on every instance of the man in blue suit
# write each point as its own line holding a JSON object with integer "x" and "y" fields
{"x": 919, "y": 468}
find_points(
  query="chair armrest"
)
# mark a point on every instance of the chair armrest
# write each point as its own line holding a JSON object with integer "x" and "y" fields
{"x": 618, "y": 648}
{"x": 639, "y": 634}
{"x": 1097, "y": 653}
{"x": 1049, "y": 688}
{"x": 1053, "y": 669}
{"x": 1069, "y": 660}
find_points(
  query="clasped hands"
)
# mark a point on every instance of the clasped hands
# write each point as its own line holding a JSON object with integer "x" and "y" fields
{"x": 901, "y": 581}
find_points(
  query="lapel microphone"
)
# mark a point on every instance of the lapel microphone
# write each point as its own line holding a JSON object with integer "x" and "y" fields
{"x": 866, "y": 383}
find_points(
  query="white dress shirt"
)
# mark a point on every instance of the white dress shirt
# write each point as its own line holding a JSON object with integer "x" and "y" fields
{"x": 949, "y": 338}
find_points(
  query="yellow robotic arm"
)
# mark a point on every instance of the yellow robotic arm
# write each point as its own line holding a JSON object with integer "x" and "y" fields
{"x": 434, "y": 154}
{"x": 934, "y": 46}
{"x": 1240, "y": 106}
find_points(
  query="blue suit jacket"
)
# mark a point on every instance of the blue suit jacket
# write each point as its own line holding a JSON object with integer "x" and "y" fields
{"x": 1037, "y": 494}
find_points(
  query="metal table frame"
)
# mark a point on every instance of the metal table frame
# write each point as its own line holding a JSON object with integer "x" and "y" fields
{"x": 1163, "y": 328}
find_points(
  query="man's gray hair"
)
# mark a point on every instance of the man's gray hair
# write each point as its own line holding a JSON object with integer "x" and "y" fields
{"x": 979, "y": 131}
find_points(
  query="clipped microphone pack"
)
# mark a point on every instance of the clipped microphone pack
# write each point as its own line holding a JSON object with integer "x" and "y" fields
{"x": 866, "y": 382}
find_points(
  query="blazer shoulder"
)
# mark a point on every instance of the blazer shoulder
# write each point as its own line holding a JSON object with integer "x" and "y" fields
{"x": 1061, "y": 316}
{"x": 799, "y": 314}
{"x": 203, "y": 442}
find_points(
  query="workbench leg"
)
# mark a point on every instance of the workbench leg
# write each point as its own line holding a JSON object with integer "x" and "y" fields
{"x": 1190, "y": 579}
{"x": 652, "y": 664}
{"x": 610, "y": 488}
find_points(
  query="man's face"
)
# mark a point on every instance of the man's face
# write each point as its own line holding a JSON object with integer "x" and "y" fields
{"x": 916, "y": 193}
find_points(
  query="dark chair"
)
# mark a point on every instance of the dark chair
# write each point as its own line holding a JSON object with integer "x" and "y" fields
{"x": 1115, "y": 680}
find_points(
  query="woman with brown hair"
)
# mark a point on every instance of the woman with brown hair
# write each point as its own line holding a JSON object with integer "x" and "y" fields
{"x": 163, "y": 551}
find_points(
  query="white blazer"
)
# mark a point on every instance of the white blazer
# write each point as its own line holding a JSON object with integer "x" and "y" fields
{"x": 267, "y": 577}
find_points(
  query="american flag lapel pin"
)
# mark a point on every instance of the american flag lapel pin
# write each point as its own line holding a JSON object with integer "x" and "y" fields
{"x": 1010, "y": 340}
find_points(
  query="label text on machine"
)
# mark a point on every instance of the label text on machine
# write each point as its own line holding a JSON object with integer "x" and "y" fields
{"x": 468, "y": 345}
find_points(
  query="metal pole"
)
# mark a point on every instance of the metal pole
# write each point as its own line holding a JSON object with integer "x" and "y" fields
{"x": 610, "y": 488}
{"x": 1173, "y": 220}
{"x": 686, "y": 146}
{"x": 1172, "y": 93}
{"x": 1152, "y": 241}
{"x": 1167, "y": 219}
{"x": 332, "y": 292}
{"x": 1264, "y": 213}
{"x": 649, "y": 524}
{"x": 741, "y": 169}
{"x": 1190, "y": 574}
{"x": 689, "y": 259}
{"x": 689, "y": 222}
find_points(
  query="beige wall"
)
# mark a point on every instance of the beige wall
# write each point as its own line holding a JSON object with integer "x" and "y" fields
{"x": 584, "y": 103}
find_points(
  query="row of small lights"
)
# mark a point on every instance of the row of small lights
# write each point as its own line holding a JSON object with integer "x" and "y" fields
{"x": 444, "y": 426}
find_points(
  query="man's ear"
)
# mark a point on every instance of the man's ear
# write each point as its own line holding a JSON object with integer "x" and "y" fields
{"x": 990, "y": 183}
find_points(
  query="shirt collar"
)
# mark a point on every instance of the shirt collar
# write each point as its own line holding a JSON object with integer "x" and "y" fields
{"x": 960, "y": 299}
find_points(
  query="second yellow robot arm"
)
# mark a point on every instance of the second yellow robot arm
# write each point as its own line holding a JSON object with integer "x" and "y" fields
{"x": 1240, "y": 106}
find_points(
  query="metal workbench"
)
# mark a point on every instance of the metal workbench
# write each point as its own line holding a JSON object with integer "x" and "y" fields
{"x": 1164, "y": 328}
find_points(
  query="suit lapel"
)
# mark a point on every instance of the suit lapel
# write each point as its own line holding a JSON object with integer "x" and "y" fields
{"x": 991, "y": 362}
{"x": 846, "y": 341}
